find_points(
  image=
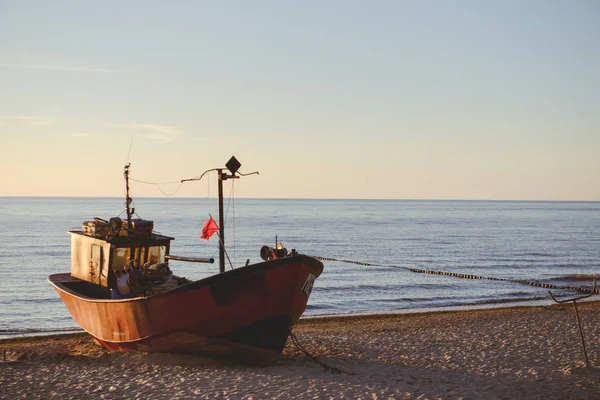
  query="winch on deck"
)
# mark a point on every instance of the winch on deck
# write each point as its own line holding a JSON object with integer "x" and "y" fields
{"x": 269, "y": 253}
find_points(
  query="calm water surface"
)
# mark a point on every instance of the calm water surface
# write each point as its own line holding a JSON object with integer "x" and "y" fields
{"x": 550, "y": 242}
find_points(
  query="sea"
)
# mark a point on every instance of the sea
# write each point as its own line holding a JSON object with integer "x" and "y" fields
{"x": 555, "y": 243}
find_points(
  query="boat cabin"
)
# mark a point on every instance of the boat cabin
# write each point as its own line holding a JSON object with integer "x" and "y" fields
{"x": 104, "y": 251}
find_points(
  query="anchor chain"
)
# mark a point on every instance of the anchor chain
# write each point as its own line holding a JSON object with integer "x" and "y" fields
{"x": 469, "y": 276}
{"x": 346, "y": 261}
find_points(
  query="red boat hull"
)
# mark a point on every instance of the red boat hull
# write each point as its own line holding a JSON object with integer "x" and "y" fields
{"x": 253, "y": 306}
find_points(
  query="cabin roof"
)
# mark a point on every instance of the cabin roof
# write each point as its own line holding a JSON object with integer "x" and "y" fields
{"x": 131, "y": 240}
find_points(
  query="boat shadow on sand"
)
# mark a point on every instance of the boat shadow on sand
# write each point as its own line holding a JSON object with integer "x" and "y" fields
{"x": 82, "y": 347}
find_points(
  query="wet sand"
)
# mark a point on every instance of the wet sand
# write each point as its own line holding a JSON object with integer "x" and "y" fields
{"x": 510, "y": 353}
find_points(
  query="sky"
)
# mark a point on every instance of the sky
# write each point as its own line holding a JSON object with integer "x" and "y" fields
{"x": 490, "y": 100}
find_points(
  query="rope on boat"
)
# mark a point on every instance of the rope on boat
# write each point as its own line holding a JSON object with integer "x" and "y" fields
{"x": 329, "y": 368}
{"x": 347, "y": 261}
{"x": 468, "y": 276}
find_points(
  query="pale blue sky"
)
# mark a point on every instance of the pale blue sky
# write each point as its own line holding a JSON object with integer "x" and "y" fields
{"x": 327, "y": 99}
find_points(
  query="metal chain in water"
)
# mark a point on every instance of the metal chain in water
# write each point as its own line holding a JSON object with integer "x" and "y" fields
{"x": 467, "y": 276}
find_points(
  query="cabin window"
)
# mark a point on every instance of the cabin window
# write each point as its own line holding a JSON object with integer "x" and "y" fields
{"x": 139, "y": 256}
{"x": 156, "y": 254}
{"x": 96, "y": 265}
{"x": 120, "y": 258}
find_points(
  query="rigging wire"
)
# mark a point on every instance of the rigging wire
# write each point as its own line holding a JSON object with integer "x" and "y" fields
{"x": 180, "y": 182}
{"x": 208, "y": 188}
{"x": 197, "y": 178}
{"x": 130, "y": 147}
{"x": 226, "y": 214}
{"x": 232, "y": 197}
{"x": 169, "y": 194}
{"x": 153, "y": 183}
{"x": 157, "y": 184}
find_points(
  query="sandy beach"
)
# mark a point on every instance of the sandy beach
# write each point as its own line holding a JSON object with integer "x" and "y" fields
{"x": 509, "y": 353}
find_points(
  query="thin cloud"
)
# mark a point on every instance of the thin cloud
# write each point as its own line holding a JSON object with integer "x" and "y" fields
{"x": 64, "y": 68}
{"x": 30, "y": 119}
{"x": 159, "y": 133}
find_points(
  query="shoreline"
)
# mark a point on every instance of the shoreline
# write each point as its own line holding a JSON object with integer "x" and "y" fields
{"x": 335, "y": 318}
{"x": 509, "y": 352}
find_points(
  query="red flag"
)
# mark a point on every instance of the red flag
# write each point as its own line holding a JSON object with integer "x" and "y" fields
{"x": 210, "y": 227}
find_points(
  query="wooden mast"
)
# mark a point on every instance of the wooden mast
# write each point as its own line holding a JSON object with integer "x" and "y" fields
{"x": 223, "y": 176}
{"x": 221, "y": 223}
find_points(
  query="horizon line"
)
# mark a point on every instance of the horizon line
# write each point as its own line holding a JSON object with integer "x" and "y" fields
{"x": 306, "y": 198}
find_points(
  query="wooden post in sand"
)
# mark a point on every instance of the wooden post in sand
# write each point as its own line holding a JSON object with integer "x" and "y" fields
{"x": 574, "y": 300}
{"x": 587, "y": 363}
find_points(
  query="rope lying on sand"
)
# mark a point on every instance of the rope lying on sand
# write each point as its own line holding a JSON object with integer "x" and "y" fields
{"x": 467, "y": 276}
{"x": 326, "y": 367}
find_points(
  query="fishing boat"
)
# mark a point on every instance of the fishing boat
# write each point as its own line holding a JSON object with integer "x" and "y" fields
{"x": 122, "y": 290}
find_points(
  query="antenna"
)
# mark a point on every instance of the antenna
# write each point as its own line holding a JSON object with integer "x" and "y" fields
{"x": 128, "y": 199}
